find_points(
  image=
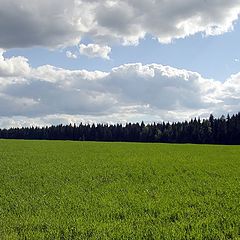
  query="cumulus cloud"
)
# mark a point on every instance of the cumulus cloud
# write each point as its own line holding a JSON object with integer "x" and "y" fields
{"x": 70, "y": 54}
{"x": 38, "y": 23}
{"x": 130, "y": 92}
{"x": 95, "y": 50}
{"x": 56, "y": 23}
{"x": 14, "y": 67}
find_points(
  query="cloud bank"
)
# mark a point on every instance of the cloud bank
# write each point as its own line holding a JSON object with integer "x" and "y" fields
{"x": 130, "y": 92}
{"x": 63, "y": 23}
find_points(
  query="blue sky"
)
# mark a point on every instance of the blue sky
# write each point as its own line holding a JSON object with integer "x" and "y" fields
{"x": 214, "y": 57}
{"x": 117, "y": 61}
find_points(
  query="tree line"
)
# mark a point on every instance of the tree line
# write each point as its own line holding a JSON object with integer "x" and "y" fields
{"x": 223, "y": 130}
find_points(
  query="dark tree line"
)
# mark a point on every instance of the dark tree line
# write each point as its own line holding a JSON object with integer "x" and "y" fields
{"x": 224, "y": 130}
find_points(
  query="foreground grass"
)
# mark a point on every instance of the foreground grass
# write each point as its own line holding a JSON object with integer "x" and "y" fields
{"x": 82, "y": 190}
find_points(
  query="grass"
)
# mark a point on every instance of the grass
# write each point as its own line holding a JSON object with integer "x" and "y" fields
{"x": 88, "y": 190}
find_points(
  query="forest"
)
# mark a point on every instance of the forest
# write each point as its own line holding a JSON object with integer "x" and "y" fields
{"x": 223, "y": 130}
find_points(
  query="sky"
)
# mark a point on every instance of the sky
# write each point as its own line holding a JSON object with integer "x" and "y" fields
{"x": 112, "y": 61}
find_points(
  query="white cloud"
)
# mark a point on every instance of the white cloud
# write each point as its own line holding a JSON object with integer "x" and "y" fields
{"x": 56, "y": 23}
{"x": 95, "y": 50}
{"x": 70, "y": 54}
{"x": 15, "y": 66}
{"x": 130, "y": 92}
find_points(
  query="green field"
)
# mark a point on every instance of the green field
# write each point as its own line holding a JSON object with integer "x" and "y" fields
{"x": 88, "y": 190}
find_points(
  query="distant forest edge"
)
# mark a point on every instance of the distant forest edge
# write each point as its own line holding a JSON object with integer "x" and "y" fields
{"x": 223, "y": 130}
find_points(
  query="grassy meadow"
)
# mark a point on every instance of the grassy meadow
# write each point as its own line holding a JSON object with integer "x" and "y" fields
{"x": 89, "y": 190}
